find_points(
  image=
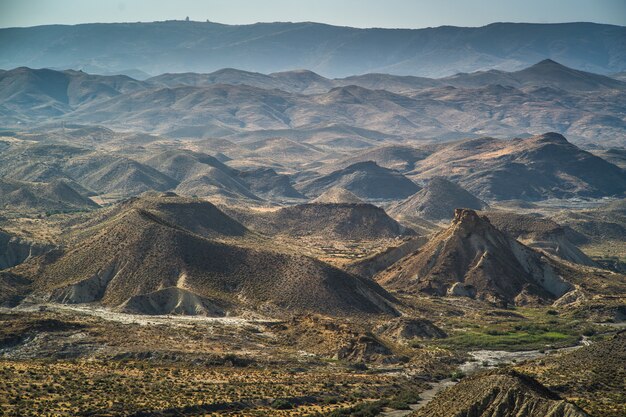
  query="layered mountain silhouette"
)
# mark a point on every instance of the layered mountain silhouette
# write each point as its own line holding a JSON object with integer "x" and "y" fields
{"x": 351, "y": 113}
{"x": 329, "y": 50}
{"x": 166, "y": 254}
{"x": 85, "y": 170}
{"x": 472, "y": 258}
{"x": 546, "y": 73}
{"x": 200, "y": 174}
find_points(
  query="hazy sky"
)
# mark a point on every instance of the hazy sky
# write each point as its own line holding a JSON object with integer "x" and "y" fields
{"x": 358, "y": 13}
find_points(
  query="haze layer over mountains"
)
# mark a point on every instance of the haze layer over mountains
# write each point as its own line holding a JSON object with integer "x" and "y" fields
{"x": 176, "y": 46}
{"x": 354, "y": 112}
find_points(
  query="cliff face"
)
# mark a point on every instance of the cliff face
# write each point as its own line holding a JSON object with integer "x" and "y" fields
{"x": 14, "y": 251}
{"x": 474, "y": 259}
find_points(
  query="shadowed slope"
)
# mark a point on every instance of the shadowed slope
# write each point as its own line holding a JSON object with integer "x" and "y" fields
{"x": 146, "y": 255}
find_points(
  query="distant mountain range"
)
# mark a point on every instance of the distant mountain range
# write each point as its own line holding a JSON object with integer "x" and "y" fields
{"x": 354, "y": 112}
{"x": 176, "y": 46}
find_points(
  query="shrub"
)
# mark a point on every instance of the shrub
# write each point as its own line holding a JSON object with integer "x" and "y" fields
{"x": 281, "y": 404}
{"x": 456, "y": 375}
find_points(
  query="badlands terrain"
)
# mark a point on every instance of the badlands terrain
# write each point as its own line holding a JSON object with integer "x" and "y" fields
{"x": 282, "y": 243}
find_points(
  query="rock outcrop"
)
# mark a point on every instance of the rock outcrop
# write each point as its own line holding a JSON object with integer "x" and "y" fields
{"x": 472, "y": 258}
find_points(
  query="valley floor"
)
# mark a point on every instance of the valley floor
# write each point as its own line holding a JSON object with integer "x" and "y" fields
{"x": 63, "y": 360}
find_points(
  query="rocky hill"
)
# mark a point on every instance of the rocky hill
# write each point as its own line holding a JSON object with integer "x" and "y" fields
{"x": 156, "y": 257}
{"x": 474, "y": 259}
{"x": 593, "y": 376}
{"x": 344, "y": 221}
{"x": 535, "y": 168}
{"x": 541, "y": 233}
{"x": 14, "y": 250}
{"x": 499, "y": 393}
{"x": 436, "y": 201}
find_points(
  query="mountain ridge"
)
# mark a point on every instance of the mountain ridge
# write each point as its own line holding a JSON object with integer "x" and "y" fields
{"x": 586, "y": 106}
{"x": 339, "y": 50}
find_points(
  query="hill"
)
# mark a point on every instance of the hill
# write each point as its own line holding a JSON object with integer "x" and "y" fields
{"x": 536, "y": 168}
{"x": 343, "y": 221}
{"x": 615, "y": 156}
{"x": 200, "y": 174}
{"x": 94, "y": 171}
{"x": 337, "y": 195}
{"x": 223, "y": 76}
{"x": 402, "y": 158}
{"x": 297, "y": 81}
{"x": 269, "y": 184}
{"x": 541, "y": 233}
{"x": 329, "y": 50}
{"x": 474, "y": 259}
{"x": 593, "y": 376}
{"x": 501, "y": 393}
{"x": 282, "y": 149}
{"x": 436, "y": 201}
{"x": 366, "y": 180}
{"x": 142, "y": 260}
{"x": 606, "y": 222}
{"x": 41, "y": 197}
{"x": 546, "y": 73}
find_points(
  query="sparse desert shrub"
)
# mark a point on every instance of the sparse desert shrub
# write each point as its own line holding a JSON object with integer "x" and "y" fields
{"x": 457, "y": 375}
{"x": 281, "y": 404}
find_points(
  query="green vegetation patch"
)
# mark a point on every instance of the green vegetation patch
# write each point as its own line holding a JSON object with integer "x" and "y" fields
{"x": 509, "y": 340}
{"x": 531, "y": 329}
